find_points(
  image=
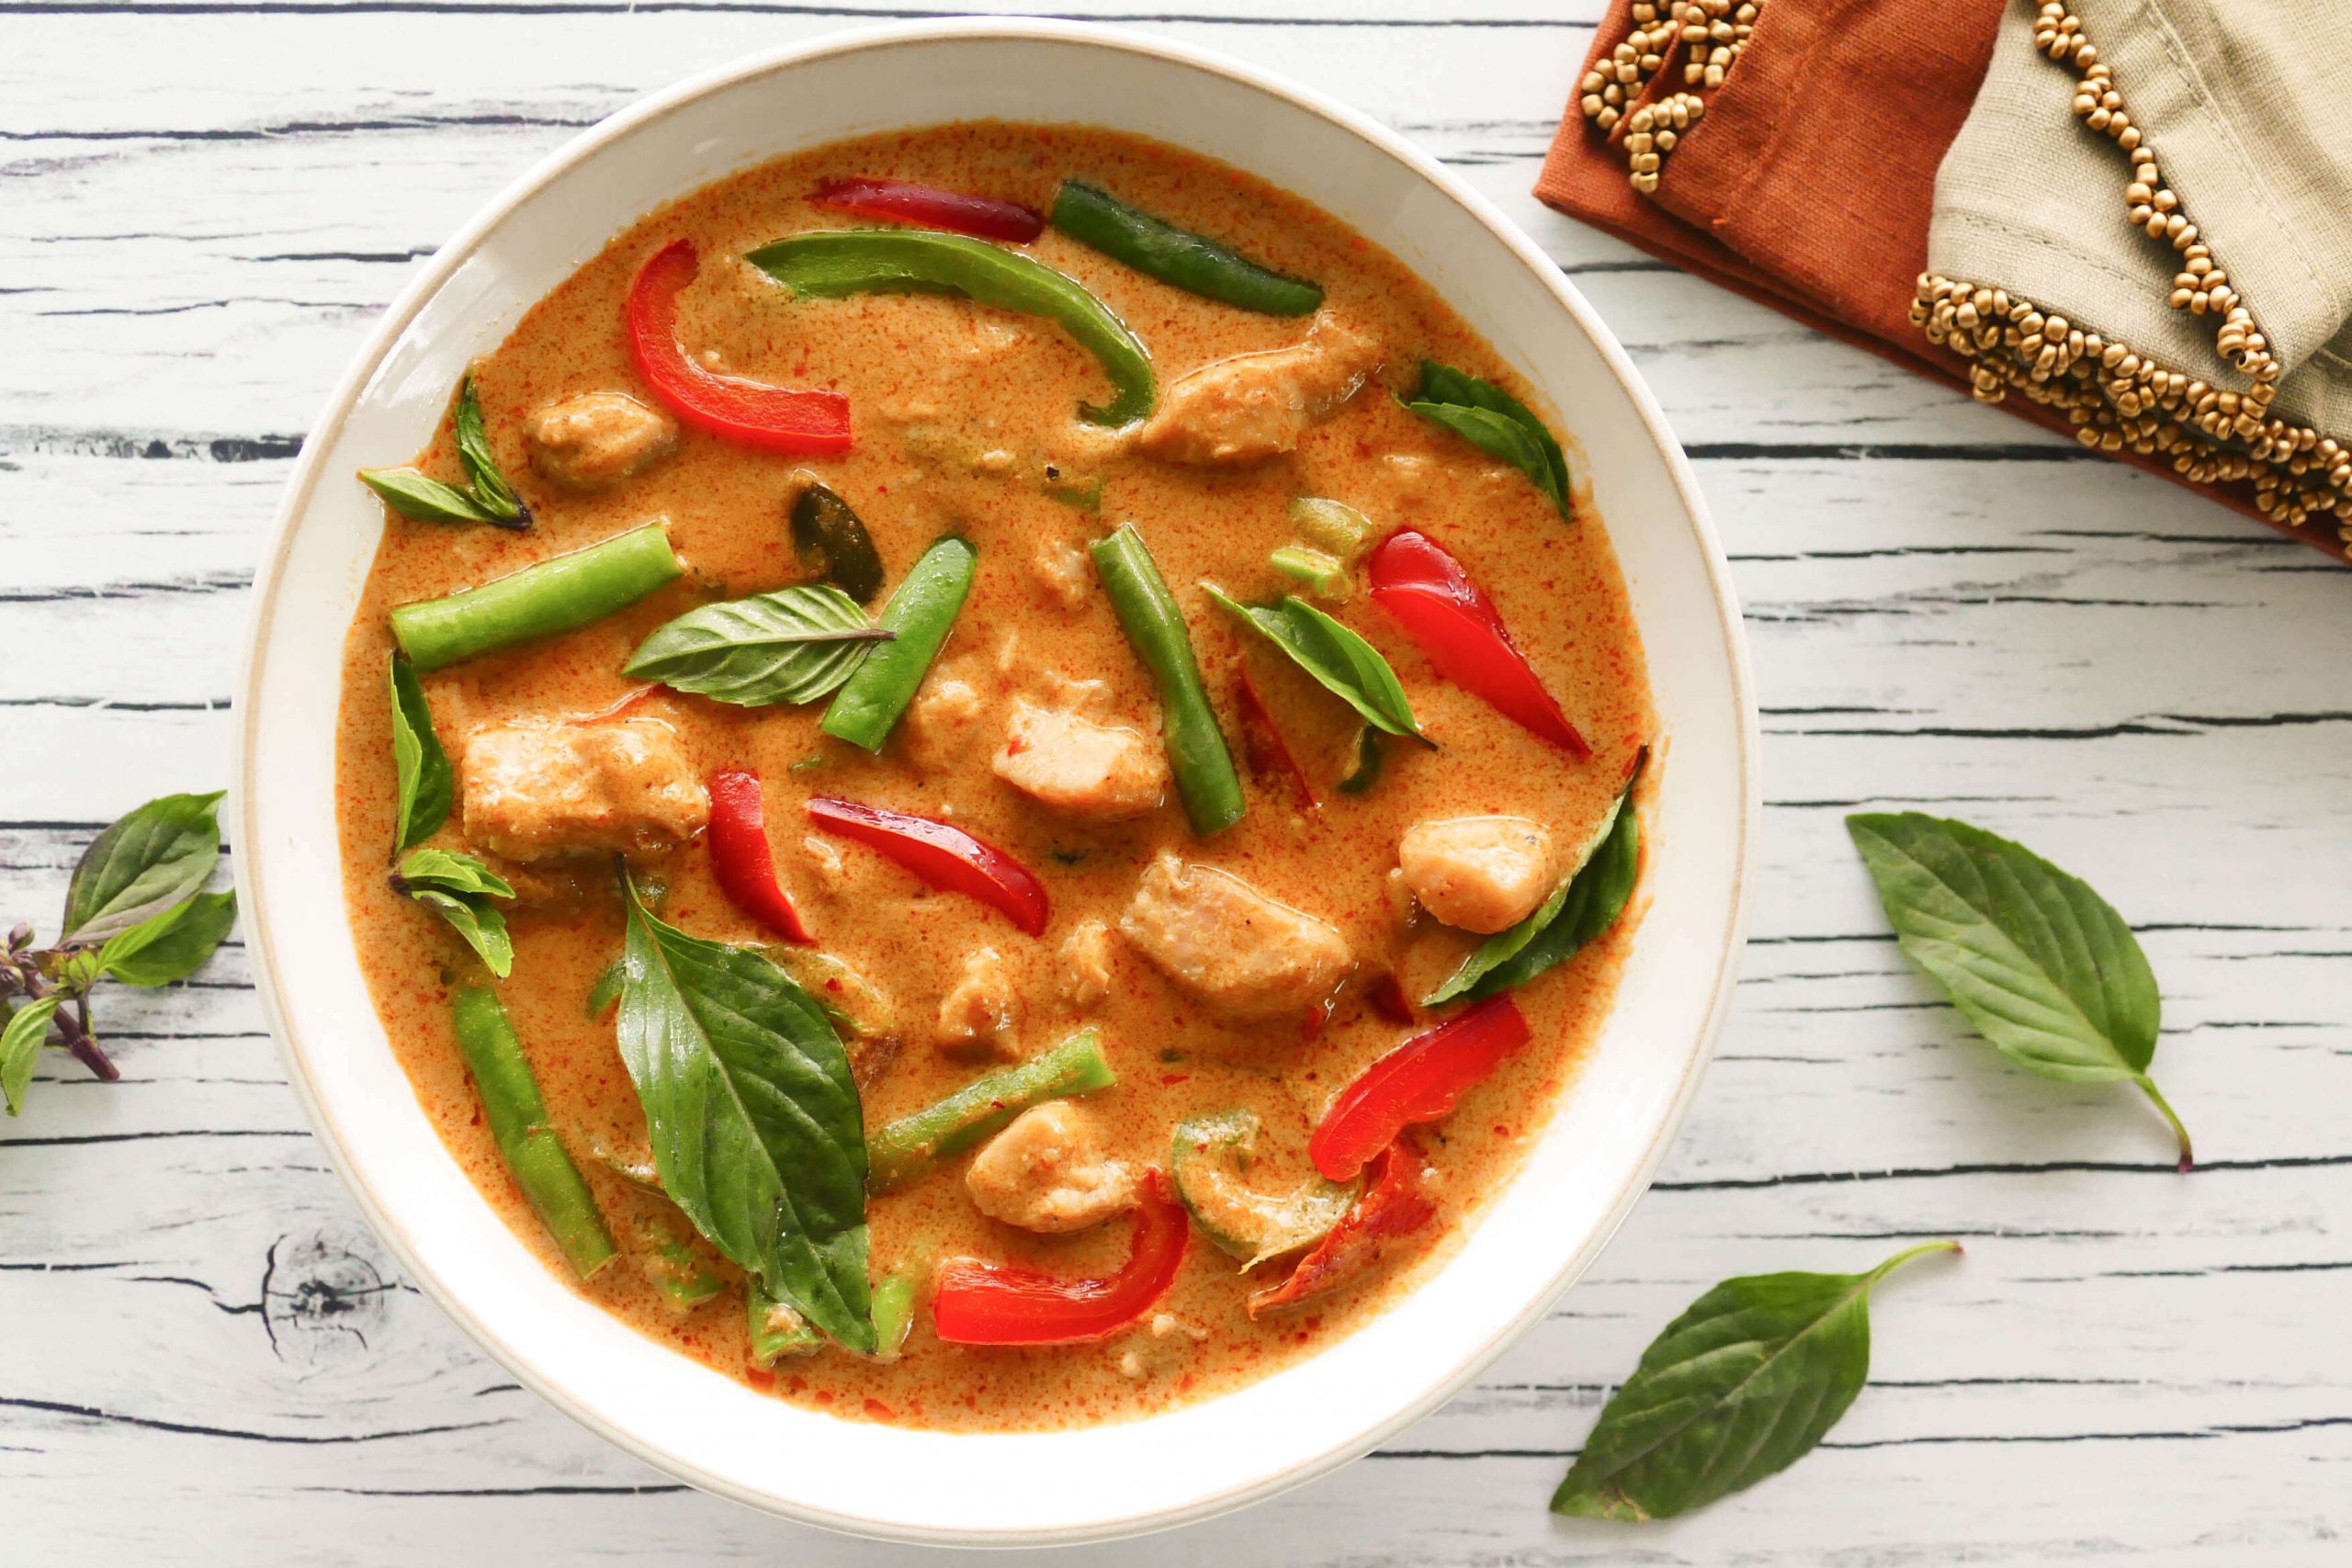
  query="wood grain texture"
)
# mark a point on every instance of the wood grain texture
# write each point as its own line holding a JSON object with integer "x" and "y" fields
{"x": 214, "y": 1361}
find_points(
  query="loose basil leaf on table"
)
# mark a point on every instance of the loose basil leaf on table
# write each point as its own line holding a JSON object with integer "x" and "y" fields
{"x": 1340, "y": 661}
{"x": 2043, "y": 966}
{"x": 791, "y": 645}
{"x": 1497, "y": 424}
{"x": 490, "y": 490}
{"x": 427, "y": 785}
{"x": 172, "y": 945}
{"x": 753, "y": 1116}
{"x": 1578, "y": 911}
{"x": 155, "y": 857}
{"x": 415, "y": 496}
{"x": 1739, "y": 1387}
{"x": 20, "y": 1043}
{"x": 460, "y": 889}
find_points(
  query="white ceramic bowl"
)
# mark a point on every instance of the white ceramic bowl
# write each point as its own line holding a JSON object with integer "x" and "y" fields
{"x": 1593, "y": 1161}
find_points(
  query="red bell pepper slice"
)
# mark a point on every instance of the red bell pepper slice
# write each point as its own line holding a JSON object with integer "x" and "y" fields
{"x": 928, "y": 207}
{"x": 1419, "y": 1081}
{"x": 1005, "y": 1303}
{"x": 1397, "y": 1204}
{"x": 1455, "y": 626}
{"x": 739, "y": 856}
{"x": 1263, "y": 745}
{"x": 943, "y": 855}
{"x": 781, "y": 419}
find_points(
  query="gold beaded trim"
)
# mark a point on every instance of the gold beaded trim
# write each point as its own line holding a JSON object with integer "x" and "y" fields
{"x": 1712, "y": 33}
{"x": 2118, "y": 399}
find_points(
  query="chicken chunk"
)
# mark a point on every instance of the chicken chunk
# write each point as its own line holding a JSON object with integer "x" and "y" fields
{"x": 1086, "y": 963}
{"x": 1253, "y": 406}
{"x": 1239, "y": 951}
{"x": 595, "y": 441}
{"x": 982, "y": 1007}
{"x": 941, "y": 719}
{"x": 1047, "y": 1172}
{"x": 534, "y": 792}
{"x": 1107, "y": 773}
{"x": 1063, "y": 571}
{"x": 1478, "y": 873}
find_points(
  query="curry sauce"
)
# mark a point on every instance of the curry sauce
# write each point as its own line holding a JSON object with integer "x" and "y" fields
{"x": 966, "y": 423}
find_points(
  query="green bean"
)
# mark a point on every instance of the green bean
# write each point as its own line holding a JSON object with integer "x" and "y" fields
{"x": 1155, "y": 628}
{"x": 681, "y": 1276}
{"x": 894, "y": 1314}
{"x": 777, "y": 1334}
{"x": 540, "y": 601}
{"x": 910, "y": 1146}
{"x": 518, "y": 1123}
{"x": 1191, "y": 262}
{"x": 920, "y": 614}
{"x": 776, "y": 1331}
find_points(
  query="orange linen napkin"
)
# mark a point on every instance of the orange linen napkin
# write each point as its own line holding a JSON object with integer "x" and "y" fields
{"x": 1807, "y": 181}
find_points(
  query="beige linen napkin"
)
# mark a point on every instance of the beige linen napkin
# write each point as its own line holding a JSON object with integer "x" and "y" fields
{"x": 2174, "y": 268}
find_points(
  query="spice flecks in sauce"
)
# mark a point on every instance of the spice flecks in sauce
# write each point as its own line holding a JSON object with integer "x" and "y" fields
{"x": 964, "y": 421}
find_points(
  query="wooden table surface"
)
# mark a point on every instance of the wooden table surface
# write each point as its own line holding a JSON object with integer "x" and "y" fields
{"x": 204, "y": 204}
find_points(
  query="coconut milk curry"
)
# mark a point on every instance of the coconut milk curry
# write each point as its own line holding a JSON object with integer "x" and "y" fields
{"x": 988, "y": 776}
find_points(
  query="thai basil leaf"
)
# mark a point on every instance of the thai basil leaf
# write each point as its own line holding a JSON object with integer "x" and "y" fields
{"x": 827, "y": 537}
{"x": 1342, "y": 662}
{"x": 427, "y": 787}
{"x": 1578, "y": 911}
{"x": 157, "y": 856}
{"x": 460, "y": 889}
{"x": 20, "y": 1044}
{"x": 1739, "y": 1387}
{"x": 791, "y": 645}
{"x": 1365, "y": 773}
{"x": 490, "y": 490}
{"x": 606, "y": 990}
{"x": 2042, "y": 966}
{"x": 172, "y": 945}
{"x": 412, "y": 495}
{"x": 479, "y": 923}
{"x": 450, "y": 871}
{"x": 753, "y": 1116}
{"x": 1497, "y": 424}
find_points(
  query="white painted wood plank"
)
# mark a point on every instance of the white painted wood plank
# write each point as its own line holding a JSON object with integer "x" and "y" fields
{"x": 170, "y": 217}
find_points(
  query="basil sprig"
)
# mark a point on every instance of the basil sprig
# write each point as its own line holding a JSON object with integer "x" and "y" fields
{"x": 1497, "y": 424}
{"x": 135, "y": 911}
{"x": 490, "y": 490}
{"x": 791, "y": 645}
{"x": 2043, "y": 966}
{"x": 1340, "y": 661}
{"x": 459, "y": 889}
{"x": 1585, "y": 905}
{"x": 488, "y": 498}
{"x": 753, "y": 1116}
{"x": 427, "y": 784}
{"x": 1739, "y": 1387}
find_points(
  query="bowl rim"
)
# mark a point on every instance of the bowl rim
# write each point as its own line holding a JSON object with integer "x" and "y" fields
{"x": 445, "y": 262}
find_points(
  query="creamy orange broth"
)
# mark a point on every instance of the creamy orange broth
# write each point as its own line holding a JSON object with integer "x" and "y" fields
{"x": 915, "y": 367}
